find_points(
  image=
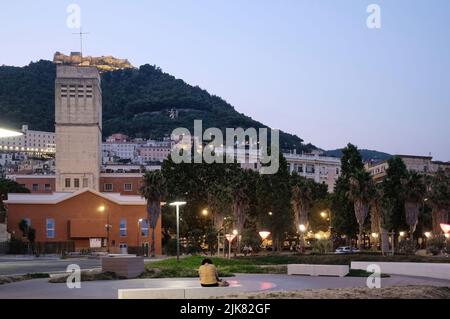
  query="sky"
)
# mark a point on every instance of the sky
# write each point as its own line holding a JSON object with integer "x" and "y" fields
{"x": 308, "y": 67}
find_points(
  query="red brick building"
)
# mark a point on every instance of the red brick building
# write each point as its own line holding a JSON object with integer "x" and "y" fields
{"x": 83, "y": 217}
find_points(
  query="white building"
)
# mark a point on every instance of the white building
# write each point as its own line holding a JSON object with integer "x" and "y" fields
{"x": 118, "y": 146}
{"x": 322, "y": 169}
{"x": 30, "y": 141}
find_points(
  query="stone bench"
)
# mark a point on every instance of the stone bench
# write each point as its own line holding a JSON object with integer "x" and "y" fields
{"x": 318, "y": 270}
{"x": 176, "y": 293}
{"x": 431, "y": 270}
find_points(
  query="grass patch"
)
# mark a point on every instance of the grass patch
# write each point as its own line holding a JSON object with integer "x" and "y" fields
{"x": 88, "y": 276}
{"x": 10, "y": 279}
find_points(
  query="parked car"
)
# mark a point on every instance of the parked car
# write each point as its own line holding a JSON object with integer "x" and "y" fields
{"x": 346, "y": 250}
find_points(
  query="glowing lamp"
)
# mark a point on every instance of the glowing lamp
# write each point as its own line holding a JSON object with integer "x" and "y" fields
{"x": 445, "y": 228}
{"x": 264, "y": 234}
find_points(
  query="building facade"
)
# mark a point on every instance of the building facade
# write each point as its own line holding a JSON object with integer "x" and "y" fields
{"x": 89, "y": 219}
{"x": 415, "y": 163}
{"x": 322, "y": 169}
{"x": 68, "y": 206}
{"x": 78, "y": 125}
{"x": 29, "y": 141}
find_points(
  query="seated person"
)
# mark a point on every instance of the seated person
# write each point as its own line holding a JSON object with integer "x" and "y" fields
{"x": 208, "y": 275}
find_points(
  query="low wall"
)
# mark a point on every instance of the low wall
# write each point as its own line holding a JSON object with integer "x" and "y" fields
{"x": 123, "y": 265}
{"x": 176, "y": 293}
{"x": 317, "y": 270}
{"x": 431, "y": 270}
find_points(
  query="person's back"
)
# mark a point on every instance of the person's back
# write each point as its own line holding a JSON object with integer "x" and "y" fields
{"x": 208, "y": 275}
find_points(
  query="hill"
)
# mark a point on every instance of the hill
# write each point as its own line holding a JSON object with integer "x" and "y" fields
{"x": 140, "y": 102}
{"x": 367, "y": 155}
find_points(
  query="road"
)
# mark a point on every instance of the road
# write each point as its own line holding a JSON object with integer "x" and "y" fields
{"x": 21, "y": 266}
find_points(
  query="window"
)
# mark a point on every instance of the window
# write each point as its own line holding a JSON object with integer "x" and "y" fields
{"x": 144, "y": 228}
{"x": 123, "y": 227}
{"x": 310, "y": 169}
{"x": 76, "y": 183}
{"x": 35, "y": 187}
{"x": 50, "y": 228}
{"x": 300, "y": 168}
{"x": 128, "y": 187}
{"x": 67, "y": 182}
{"x": 337, "y": 171}
{"x": 85, "y": 182}
{"x": 108, "y": 187}
{"x": 47, "y": 187}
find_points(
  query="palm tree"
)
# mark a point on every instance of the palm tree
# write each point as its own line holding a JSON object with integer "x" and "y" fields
{"x": 375, "y": 213}
{"x": 301, "y": 199}
{"x": 154, "y": 190}
{"x": 381, "y": 215}
{"x": 360, "y": 192}
{"x": 414, "y": 192}
{"x": 439, "y": 198}
{"x": 240, "y": 191}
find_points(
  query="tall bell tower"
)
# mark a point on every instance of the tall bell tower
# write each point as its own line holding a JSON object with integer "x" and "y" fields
{"x": 78, "y": 127}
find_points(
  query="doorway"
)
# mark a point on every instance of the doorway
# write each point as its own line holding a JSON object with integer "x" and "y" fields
{"x": 123, "y": 248}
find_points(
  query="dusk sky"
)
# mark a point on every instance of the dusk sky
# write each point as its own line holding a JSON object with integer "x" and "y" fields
{"x": 311, "y": 68}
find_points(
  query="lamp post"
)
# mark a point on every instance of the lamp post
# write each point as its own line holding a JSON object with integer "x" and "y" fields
{"x": 138, "y": 234}
{"x": 101, "y": 209}
{"x": 264, "y": 234}
{"x": 177, "y": 205}
{"x": 230, "y": 238}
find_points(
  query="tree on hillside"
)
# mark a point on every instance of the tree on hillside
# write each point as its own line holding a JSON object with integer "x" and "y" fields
{"x": 154, "y": 190}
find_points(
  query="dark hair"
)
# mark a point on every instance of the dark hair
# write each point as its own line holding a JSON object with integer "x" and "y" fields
{"x": 207, "y": 261}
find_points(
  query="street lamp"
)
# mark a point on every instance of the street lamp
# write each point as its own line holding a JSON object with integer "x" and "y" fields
{"x": 177, "y": 205}
{"x": 264, "y": 234}
{"x": 101, "y": 209}
{"x": 205, "y": 212}
{"x": 138, "y": 234}
{"x": 230, "y": 238}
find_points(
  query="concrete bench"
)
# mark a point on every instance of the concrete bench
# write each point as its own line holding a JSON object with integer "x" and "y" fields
{"x": 431, "y": 270}
{"x": 176, "y": 293}
{"x": 318, "y": 270}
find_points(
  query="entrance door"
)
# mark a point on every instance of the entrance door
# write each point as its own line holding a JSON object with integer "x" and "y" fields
{"x": 145, "y": 249}
{"x": 123, "y": 248}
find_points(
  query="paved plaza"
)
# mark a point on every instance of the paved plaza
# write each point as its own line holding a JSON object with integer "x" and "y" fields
{"x": 41, "y": 288}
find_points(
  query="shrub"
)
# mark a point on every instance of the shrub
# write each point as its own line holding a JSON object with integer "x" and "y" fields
{"x": 407, "y": 246}
{"x": 322, "y": 246}
{"x": 436, "y": 245}
{"x": 171, "y": 247}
